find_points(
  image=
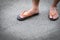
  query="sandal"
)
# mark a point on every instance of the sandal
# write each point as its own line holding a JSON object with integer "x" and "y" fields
{"x": 50, "y": 16}
{"x": 26, "y": 16}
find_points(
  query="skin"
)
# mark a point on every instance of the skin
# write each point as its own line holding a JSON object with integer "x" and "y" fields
{"x": 53, "y": 10}
{"x": 35, "y": 9}
{"x": 55, "y": 3}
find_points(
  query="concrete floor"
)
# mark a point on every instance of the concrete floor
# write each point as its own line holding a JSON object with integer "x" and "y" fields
{"x": 35, "y": 28}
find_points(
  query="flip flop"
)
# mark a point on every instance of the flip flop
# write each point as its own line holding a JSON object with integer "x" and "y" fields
{"x": 21, "y": 19}
{"x": 52, "y": 19}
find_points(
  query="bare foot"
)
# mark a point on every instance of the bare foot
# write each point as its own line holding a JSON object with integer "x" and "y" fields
{"x": 29, "y": 13}
{"x": 53, "y": 13}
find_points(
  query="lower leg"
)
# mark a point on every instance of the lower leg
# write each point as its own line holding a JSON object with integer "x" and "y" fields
{"x": 55, "y": 3}
{"x": 35, "y": 4}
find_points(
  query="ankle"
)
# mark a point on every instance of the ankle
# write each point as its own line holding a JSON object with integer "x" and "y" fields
{"x": 53, "y": 6}
{"x": 35, "y": 8}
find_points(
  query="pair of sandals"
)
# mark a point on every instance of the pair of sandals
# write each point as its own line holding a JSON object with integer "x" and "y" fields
{"x": 53, "y": 12}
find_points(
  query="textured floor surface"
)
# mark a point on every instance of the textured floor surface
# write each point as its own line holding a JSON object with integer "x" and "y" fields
{"x": 35, "y": 28}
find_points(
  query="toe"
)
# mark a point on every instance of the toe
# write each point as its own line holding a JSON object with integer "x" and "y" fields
{"x": 55, "y": 16}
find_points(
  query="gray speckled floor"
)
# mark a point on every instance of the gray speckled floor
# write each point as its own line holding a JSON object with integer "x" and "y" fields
{"x": 35, "y": 28}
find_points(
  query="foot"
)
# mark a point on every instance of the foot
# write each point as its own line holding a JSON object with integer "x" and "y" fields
{"x": 53, "y": 15}
{"x": 28, "y": 13}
